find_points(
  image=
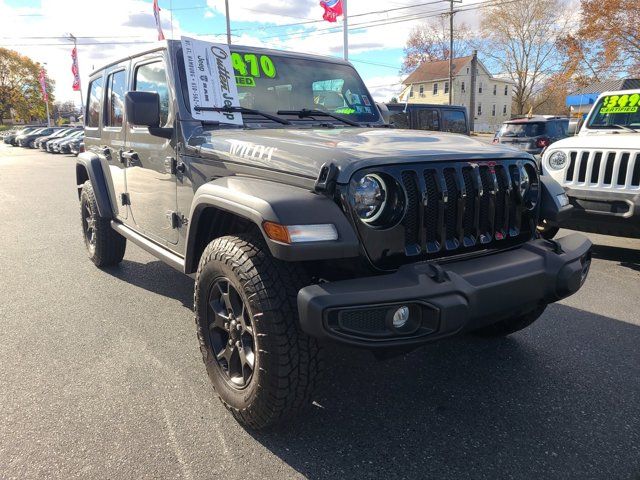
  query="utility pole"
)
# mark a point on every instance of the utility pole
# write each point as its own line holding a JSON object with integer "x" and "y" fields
{"x": 75, "y": 46}
{"x": 451, "y": 14}
{"x": 345, "y": 29}
{"x": 226, "y": 6}
{"x": 472, "y": 96}
{"x": 450, "y": 52}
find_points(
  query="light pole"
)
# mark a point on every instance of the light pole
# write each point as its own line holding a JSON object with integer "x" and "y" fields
{"x": 345, "y": 30}
{"x": 226, "y": 7}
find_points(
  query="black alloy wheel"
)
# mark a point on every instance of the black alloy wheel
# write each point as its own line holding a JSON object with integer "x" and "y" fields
{"x": 231, "y": 333}
{"x": 89, "y": 226}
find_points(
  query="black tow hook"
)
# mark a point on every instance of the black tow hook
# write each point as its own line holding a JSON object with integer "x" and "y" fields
{"x": 437, "y": 273}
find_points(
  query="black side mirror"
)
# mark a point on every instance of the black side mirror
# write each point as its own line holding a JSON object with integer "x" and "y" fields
{"x": 143, "y": 109}
{"x": 384, "y": 112}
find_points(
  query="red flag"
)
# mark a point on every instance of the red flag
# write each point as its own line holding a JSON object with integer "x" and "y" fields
{"x": 43, "y": 85}
{"x": 156, "y": 14}
{"x": 332, "y": 9}
{"x": 75, "y": 70}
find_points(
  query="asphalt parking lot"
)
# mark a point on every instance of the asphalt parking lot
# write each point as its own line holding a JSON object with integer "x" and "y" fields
{"x": 101, "y": 376}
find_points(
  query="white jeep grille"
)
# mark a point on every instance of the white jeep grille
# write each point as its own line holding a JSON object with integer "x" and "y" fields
{"x": 604, "y": 168}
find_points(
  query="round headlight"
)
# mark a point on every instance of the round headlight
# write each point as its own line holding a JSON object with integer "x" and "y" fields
{"x": 557, "y": 160}
{"x": 370, "y": 197}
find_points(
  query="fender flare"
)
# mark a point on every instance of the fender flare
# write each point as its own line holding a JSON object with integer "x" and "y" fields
{"x": 259, "y": 201}
{"x": 89, "y": 166}
{"x": 550, "y": 207}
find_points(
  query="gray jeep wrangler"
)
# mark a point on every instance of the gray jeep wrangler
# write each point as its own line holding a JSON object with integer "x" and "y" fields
{"x": 313, "y": 221}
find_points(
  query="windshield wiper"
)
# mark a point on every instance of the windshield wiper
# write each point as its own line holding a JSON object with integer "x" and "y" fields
{"x": 624, "y": 127}
{"x": 248, "y": 111}
{"x": 305, "y": 112}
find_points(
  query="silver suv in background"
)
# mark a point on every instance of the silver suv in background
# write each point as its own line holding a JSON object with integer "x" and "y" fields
{"x": 532, "y": 134}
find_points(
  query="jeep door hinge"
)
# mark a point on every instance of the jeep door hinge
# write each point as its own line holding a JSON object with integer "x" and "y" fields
{"x": 177, "y": 219}
{"x": 125, "y": 199}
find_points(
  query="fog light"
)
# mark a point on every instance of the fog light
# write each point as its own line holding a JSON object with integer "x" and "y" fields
{"x": 401, "y": 317}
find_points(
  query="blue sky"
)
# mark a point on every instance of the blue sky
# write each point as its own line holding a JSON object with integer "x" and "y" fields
{"x": 111, "y": 29}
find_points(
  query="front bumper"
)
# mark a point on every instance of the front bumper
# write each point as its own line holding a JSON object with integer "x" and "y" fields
{"x": 609, "y": 213}
{"x": 446, "y": 298}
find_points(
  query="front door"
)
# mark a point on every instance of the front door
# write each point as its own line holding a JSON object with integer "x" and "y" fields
{"x": 150, "y": 184}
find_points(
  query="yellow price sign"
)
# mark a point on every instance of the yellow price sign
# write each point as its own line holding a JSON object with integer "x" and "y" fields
{"x": 620, "y": 104}
{"x": 250, "y": 65}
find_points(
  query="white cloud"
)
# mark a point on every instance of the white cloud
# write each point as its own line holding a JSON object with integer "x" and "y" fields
{"x": 115, "y": 24}
{"x": 383, "y": 88}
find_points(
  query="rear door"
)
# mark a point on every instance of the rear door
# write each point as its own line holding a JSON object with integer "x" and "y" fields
{"x": 114, "y": 133}
{"x": 151, "y": 185}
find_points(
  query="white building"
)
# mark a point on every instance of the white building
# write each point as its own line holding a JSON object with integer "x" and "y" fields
{"x": 429, "y": 83}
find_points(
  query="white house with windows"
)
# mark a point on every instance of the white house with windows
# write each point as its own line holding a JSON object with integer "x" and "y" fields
{"x": 429, "y": 83}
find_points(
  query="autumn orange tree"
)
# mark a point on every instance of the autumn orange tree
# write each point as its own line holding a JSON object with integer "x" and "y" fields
{"x": 20, "y": 92}
{"x": 429, "y": 42}
{"x": 606, "y": 43}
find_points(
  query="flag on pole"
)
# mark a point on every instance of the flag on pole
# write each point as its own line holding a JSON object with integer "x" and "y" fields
{"x": 332, "y": 9}
{"x": 75, "y": 70}
{"x": 156, "y": 13}
{"x": 43, "y": 85}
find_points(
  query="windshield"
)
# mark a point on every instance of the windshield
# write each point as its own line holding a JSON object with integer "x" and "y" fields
{"x": 271, "y": 83}
{"x": 529, "y": 129}
{"x": 616, "y": 111}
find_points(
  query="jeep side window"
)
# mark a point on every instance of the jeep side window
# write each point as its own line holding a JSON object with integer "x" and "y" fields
{"x": 152, "y": 77}
{"x": 116, "y": 87}
{"x": 453, "y": 121}
{"x": 95, "y": 100}
{"x": 428, "y": 119}
{"x": 399, "y": 119}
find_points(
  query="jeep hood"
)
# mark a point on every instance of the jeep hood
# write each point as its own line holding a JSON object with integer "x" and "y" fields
{"x": 601, "y": 141}
{"x": 302, "y": 152}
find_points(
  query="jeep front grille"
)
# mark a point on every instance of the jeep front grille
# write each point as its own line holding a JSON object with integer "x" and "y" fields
{"x": 451, "y": 208}
{"x": 462, "y": 206}
{"x": 602, "y": 168}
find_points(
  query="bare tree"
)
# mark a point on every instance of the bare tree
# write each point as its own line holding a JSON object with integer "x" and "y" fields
{"x": 429, "y": 42}
{"x": 522, "y": 38}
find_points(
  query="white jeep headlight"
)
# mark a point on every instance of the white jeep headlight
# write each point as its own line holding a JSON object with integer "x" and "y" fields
{"x": 557, "y": 160}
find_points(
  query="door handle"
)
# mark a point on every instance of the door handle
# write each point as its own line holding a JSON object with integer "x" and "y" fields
{"x": 129, "y": 158}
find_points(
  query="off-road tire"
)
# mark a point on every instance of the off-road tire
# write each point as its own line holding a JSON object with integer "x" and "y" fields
{"x": 109, "y": 246}
{"x": 511, "y": 325}
{"x": 288, "y": 361}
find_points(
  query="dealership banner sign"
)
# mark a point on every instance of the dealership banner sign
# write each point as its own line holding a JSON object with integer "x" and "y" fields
{"x": 75, "y": 70}
{"x": 211, "y": 81}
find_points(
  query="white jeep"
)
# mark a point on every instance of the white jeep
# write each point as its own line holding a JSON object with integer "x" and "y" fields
{"x": 599, "y": 168}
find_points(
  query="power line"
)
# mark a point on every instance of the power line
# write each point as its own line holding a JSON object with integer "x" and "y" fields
{"x": 350, "y": 16}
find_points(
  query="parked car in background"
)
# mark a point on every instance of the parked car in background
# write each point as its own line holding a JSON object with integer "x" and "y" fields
{"x": 600, "y": 168}
{"x": 27, "y": 139}
{"x": 77, "y": 146}
{"x": 532, "y": 134}
{"x": 65, "y": 146}
{"x": 58, "y": 133}
{"x": 439, "y": 118}
{"x": 54, "y": 145}
{"x": 11, "y": 139}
